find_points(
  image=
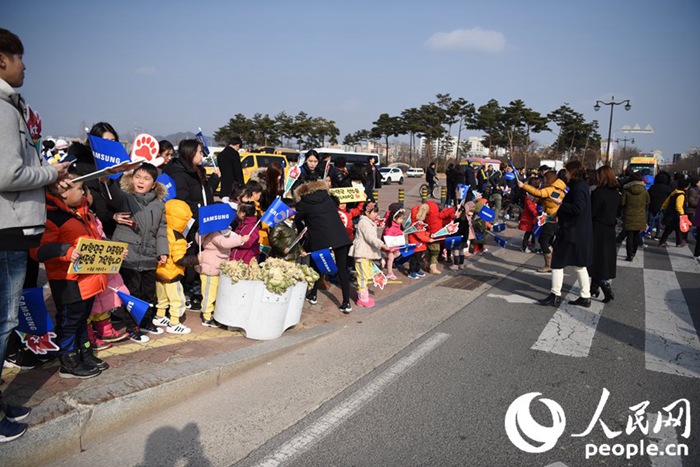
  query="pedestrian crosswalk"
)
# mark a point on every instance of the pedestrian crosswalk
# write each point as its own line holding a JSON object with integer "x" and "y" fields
{"x": 671, "y": 335}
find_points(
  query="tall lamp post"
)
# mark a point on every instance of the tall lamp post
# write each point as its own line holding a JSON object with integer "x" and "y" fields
{"x": 612, "y": 105}
{"x": 624, "y": 144}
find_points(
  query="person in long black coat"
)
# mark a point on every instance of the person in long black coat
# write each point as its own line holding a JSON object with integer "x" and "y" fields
{"x": 229, "y": 163}
{"x": 316, "y": 210}
{"x": 605, "y": 202}
{"x": 574, "y": 243}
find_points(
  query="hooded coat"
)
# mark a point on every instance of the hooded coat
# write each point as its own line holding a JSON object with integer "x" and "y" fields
{"x": 635, "y": 200}
{"x": 64, "y": 228}
{"x": 177, "y": 216}
{"x": 148, "y": 239}
{"x": 316, "y": 210}
{"x": 367, "y": 244}
{"x": 421, "y": 239}
{"x": 216, "y": 249}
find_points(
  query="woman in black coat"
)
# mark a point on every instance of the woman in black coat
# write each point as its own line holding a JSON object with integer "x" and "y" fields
{"x": 316, "y": 210}
{"x": 574, "y": 243}
{"x": 605, "y": 201}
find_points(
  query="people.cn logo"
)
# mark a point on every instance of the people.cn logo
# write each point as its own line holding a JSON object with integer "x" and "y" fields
{"x": 519, "y": 420}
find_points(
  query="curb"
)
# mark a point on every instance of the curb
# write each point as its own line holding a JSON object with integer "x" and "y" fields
{"x": 65, "y": 427}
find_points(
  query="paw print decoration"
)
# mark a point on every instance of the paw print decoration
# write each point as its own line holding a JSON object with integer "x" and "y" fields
{"x": 146, "y": 149}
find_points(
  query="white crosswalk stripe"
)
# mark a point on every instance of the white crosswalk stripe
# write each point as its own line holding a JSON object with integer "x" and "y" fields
{"x": 672, "y": 344}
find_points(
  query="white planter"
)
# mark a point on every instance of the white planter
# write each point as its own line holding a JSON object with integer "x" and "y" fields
{"x": 261, "y": 314}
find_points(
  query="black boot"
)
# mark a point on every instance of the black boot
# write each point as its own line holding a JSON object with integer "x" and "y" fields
{"x": 551, "y": 300}
{"x": 595, "y": 289}
{"x": 89, "y": 359}
{"x": 608, "y": 292}
{"x": 584, "y": 302}
{"x": 73, "y": 367}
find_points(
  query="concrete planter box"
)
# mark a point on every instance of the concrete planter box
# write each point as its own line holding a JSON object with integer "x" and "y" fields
{"x": 261, "y": 314}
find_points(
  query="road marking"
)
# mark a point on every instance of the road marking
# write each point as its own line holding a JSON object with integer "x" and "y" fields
{"x": 672, "y": 344}
{"x": 666, "y": 436}
{"x": 570, "y": 331}
{"x": 333, "y": 419}
{"x": 682, "y": 259}
{"x": 513, "y": 298}
{"x": 637, "y": 262}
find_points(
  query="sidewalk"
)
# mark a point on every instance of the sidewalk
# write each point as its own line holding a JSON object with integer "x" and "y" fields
{"x": 71, "y": 414}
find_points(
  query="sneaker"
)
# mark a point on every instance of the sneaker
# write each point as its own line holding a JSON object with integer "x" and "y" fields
{"x": 137, "y": 336}
{"x": 210, "y": 323}
{"x": 346, "y": 307}
{"x": 161, "y": 321}
{"x": 195, "y": 305}
{"x": 414, "y": 275}
{"x": 99, "y": 344}
{"x": 312, "y": 298}
{"x": 420, "y": 273}
{"x": 25, "y": 360}
{"x": 16, "y": 413}
{"x": 10, "y": 430}
{"x": 113, "y": 336}
{"x": 188, "y": 303}
{"x": 178, "y": 329}
{"x": 151, "y": 329}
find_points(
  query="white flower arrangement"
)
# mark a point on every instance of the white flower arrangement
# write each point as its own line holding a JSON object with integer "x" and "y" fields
{"x": 277, "y": 274}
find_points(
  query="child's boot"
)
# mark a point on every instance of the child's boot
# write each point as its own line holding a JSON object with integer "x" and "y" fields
{"x": 363, "y": 299}
{"x": 107, "y": 333}
{"x": 73, "y": 367}
{"x": 95, "y": 341}
{"x": 434, "y": 269}
{"x": 461, "y": 263}
{"x": 455, "y": 263}
{"x": 87, "y": 355}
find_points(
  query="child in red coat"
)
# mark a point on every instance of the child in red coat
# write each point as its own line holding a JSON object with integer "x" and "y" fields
{"x": 528, "y": 219}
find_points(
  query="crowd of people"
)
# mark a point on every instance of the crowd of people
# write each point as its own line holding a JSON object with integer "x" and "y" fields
{"x": 168, "y": 264}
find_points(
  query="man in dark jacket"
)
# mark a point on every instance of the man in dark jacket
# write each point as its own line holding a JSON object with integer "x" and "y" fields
{"x": 470, "y": 176}
{"x": 229, "y": 162}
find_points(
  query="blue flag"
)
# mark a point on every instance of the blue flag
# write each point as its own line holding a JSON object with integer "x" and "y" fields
{"x": 215, "y": 217}
{"x": 276, "y": 213}
{"x": 486, "y": 213}
{"x": 510, "y": 175}
{"x": 462, "y": 191}
{"x": 499, "y": 227}
{"x": 34, "y": 318}
{"x": 452, "y": 243}
{"x": 500, "y": 241}
{"x": 201, "y": 140}
{"x": 408, "y": 250}
{"x": 107, "y": 153}
{"x": 133, "y": 305}
{"x": 169, "y": 185}
{"x": 325, "y": 262}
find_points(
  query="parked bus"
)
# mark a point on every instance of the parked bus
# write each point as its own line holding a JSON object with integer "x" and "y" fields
{"x": 638, "y": 164}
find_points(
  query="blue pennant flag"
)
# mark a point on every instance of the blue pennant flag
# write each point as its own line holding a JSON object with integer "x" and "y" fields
{"x": 34, "y": 318}
{"x": 462, "y": 191}
{"x": 108, "y": 153}
{"x": 276, "y": 213}
{"x": 500, "y": 241}
{"x": 452, "y": 243}
{"x": 515, "y": 171}
{"x": 169, "y": 185}
{"x": 325, "y": 262}
{"x": 510, "y": 175}
{"x": 133, "y": 305}
{"x": 202, "y": 140}
{"x": 486, "y": 213}
{"x": 499, "y": 227}
{"x": 408, "y": 250}
{"x": 215, "y": 217}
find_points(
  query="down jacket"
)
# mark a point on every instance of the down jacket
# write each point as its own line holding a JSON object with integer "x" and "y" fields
{"x": 549, "y": 205}
{"x": 177, "y": 216}
{"x": 367, "y": 244}
{"x": 317, "y": 211}
{"x": 436, "y": 218}
{"x": 635, "y": 200}
{"x": 419, "y": 213}
{"x": 216, "y": 249}
{"x": 64, "y": 228}
{"x": 148, "y": 240}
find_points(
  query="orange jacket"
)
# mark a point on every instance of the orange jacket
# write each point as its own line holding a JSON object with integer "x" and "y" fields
{"x": 419, "y": 213}
{"x": 64, "y": 227}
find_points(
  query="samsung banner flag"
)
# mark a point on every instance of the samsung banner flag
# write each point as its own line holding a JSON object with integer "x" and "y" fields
{"x": 33, "y": 316}
{"x": 452, "y": 243}
{"x": 133, "y": 305}
{"x": 276, "y": 213}
{"x": 215, "y": 217}
{"x": 169, "y": 184}
{"x": 486, "y": 213}
{"x": 108, "y": 153}
{"x": 325, "y": 262}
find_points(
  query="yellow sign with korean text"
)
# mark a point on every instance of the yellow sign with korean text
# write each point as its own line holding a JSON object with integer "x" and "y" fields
{"x": 98, "y": 257}
{"x": 349, "y": 194}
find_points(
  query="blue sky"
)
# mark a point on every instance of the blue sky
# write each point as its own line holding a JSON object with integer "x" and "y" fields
{"x": 178, "y": 65}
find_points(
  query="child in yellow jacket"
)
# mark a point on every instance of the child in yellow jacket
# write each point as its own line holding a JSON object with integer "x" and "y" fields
{"x": 169, "y": 290}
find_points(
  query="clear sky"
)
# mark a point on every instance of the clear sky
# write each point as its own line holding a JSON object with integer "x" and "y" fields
{"x": 174, "y": 66}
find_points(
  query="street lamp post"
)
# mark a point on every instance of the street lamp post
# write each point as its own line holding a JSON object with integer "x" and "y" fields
{"x": 624, "y": 144}
{"x": 612, "y": 105}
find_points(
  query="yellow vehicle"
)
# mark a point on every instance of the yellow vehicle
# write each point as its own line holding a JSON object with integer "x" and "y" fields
{"x": 252, "y": 161}
{"x": 638, "y": 164}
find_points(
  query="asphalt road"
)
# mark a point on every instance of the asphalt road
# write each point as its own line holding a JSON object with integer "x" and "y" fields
{"x": 429, "y": 379}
